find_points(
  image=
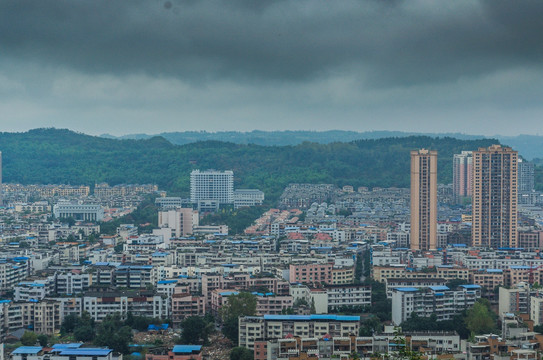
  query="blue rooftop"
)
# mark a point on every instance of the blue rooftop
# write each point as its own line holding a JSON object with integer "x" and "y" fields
{"x": 470, "y": 286}
{"x": 186, "y": 349}
{"x": 407, "y": 289}
{"x": 494, "y": 271}
{"x": 27, "y": 350}
{"x": 85, "y": 352}
{"x": 439, "y": 288}
{"x": 228, "y": 293}
{"x": 312, "y": 317}
{"x": 167, "y": 281}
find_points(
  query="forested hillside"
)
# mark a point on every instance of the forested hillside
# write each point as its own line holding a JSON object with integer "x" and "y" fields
{"x": 61, "y": 156}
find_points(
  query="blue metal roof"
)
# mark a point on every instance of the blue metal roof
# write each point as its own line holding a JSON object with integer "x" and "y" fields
{"x": 186, "y": 349}
{"x": 470, "y": 286}
{"x": 85, "y": 352}
{"x": 439, "y": 288}
{"x": 407, "y": 289}
{"x": 228, "y": 293}
{"x": 494, "y": 271}
{"x": 312, "y": 317}
{"x": 27, "y": 350}
{"x": 167, "y": 281}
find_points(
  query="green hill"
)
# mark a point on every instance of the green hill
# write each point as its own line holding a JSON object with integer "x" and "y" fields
{"x": 62, "y": 156}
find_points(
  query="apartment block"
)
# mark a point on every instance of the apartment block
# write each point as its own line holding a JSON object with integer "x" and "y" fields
{"x": 258, "y": 328}
{"x": 438, "y": 300}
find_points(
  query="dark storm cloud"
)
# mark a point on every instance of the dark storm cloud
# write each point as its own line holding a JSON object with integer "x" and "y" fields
{"x": 380, "y": 42}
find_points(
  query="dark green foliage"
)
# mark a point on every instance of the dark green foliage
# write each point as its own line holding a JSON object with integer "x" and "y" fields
{"x": 61, "y": 156}
{"x": 538, "y": 329}
{"x": 236, "y": 219}
{"x": 480, "y": 319}
{"x": 196, "y": 330}
{"x": 416, "y": 323}
{"x": 241, "y": 353}
{"x": 370, "y": 326}
{"x": 83, "y": 328}
{"x": 358, "y": 269}
{"x": 29, "y": 338}
{"x": 113, "y": 334}
{"x": 380, "y": 305}
{"x": 43, "y": 340}
{"x": 242, "y": 304}
{"x": 145, "y": 213}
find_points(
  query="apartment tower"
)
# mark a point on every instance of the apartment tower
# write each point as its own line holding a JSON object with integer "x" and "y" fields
{"x": 462, "y": 175}
{"x": 494, "y": 197}
{"x": 423, "y": 200}
{"x": 212, "y": 185}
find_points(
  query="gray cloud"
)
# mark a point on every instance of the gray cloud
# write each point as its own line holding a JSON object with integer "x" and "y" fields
{"x": 398, "y": 42}
{"x": 169, "y": 65}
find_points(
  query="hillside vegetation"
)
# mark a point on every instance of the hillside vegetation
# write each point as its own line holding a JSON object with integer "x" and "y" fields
{"x": 44, "y": 156}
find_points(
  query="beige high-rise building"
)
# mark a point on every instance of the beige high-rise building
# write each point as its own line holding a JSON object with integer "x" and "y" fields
{"x": 423, "y": 200}
{"x": 494, "y": 197}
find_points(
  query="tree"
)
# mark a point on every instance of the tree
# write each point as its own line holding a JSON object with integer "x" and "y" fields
{"x": 242, "y": 304}
{"x": 113, "y": 334}
{"x": 241, "y": 353}
{"x": 479, "y": 319}
{"x": 370, "y": 326}
{"x": 195, "y": 330}
{"x": 29, "y": 338}
{"x": 84, "y": 333}
{"x": 43, "y": 340}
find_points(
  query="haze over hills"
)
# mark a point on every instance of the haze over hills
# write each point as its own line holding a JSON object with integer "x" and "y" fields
{"x": 529, "y": 146}
{"x": 62, "y": 156}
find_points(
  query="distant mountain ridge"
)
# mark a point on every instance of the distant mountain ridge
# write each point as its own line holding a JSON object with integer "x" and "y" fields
{"x": 49, "y": 156}
{"x": 529, "y": 146}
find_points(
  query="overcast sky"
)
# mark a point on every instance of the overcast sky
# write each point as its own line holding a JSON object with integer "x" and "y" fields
{"x": 121, "y": 67}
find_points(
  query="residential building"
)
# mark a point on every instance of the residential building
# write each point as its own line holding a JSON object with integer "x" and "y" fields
{"x": 212, "y": 185}
{"x": 179, "y": 352}
{"x": 438, "y": 300}
{"x": 253, "y": 328}
{"x": 494, "y": 206}
{"x": 423, "y": 235}
{"x": 247, "y": 197}
{"x": 180, "y": 220}
{"x": 462, "y": 175}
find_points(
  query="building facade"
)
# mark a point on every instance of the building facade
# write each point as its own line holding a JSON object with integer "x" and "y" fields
{"x": 423, "y": 200}
{"x": 494, "y": 204}
{"x": 212, "y": 185}
{"x": 462, "y": 175}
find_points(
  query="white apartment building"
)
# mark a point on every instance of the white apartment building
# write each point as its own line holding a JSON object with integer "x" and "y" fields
{"x": 248, "y": 197}
{"x": 180, "y": 220}
{"x": 438, "y": 300}
{"x": 84, "y": 212}
{"x": 212, "y": 185}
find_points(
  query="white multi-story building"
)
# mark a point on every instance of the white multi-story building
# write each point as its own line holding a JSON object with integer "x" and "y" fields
{"x": 212, "y": 185}
{"x": 348, "y": 295}
{"x": 180, "y": 220}
{"x": 438, "y": 300}
{"x": 33, "y": 290}
{"x": 84, "y": 212}
{"x": 248, "y": 197}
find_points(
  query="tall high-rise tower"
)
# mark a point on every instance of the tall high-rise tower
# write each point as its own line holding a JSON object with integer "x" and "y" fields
{"x": 526, "y": 175}
{"x": 495, "y": 197}
{"x": 1, "y": 197}
{"x": 423, "y": 200}
{"x": 462, "y": 175}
